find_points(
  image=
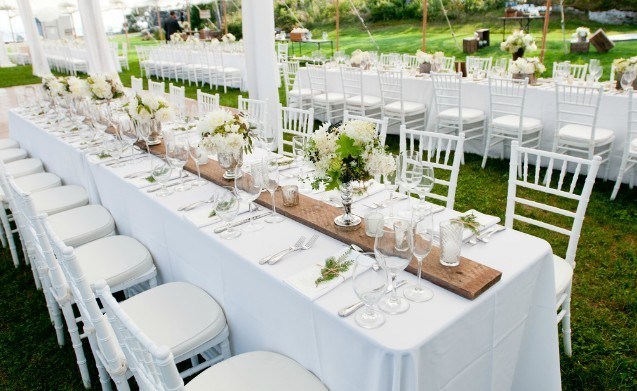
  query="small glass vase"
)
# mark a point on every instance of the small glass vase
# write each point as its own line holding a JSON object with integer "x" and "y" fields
{"x": 450, "y": 242}
{"x": 347, "y": 221}
{"x": 230, "y": 161}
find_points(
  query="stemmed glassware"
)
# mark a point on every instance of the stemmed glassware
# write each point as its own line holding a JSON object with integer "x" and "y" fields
{"x": 143, "y": 131}
{"x": 227, "y": 208}
{"x": 270, "y": 175}
{"x": 128, "y": 135}
{"x": 161, "y": 171}
{"x": 422, "y": 222}
{"x": 394, "y": 250}
{"x": 248, "y": 188}
{"x": 596, "y": 70}
{"x": 628, "y": 77}
{"x": 298, "y": 149}
{"x": 198, "y": 155}
{"x": 427, "y": 183}
{"x": 409, "y": 169}
{"x": 391, "y": 182}
{"x": 115, "y": 148}
{"x": 177, "y": 152}
{"x": 369, "y": 286}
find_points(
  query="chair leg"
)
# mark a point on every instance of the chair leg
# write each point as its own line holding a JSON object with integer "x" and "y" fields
{"x": 71, "y": 324}
{"x": 9, "y": 233}
{"x": 486, "y": 148}
{"x": 566, "y": 323}
{"x": 55, "y": 314}
{"x": 618, "y": 182}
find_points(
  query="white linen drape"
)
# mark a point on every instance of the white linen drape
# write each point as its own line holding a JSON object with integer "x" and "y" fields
{"x": 38, "y": 59}
{"x": 4, "y": 56}
{"x": 260, "y": 55}
{"x": 101, "y": 58}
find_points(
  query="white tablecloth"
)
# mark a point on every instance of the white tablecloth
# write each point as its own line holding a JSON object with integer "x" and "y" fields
{"x": 540, "y": 103}
{"x": 505, "y": 339}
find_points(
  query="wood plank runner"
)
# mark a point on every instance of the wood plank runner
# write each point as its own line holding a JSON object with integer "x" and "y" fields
{"x": 468, "y": 280}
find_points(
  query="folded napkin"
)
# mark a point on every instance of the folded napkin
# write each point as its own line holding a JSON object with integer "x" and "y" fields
{"x": 201, "y": 217}
{"x": 142, "y": 181}
{"x": 486, "y": 221}
{"x": 304, "y": 281}
{"x": 334, "y": 196}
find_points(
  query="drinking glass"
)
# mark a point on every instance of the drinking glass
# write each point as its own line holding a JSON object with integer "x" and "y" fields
{"x": 391, "y": 182}
{"x": 394, "y": 250}
{"x": 426, "y": 184}
{"x": 128, "y": 134}
{"x": 115, "y": 148}
{"x": 161, "y": 171}
{"x": 248, "y": 189}
{"x": 370, "y": 286}
{"x": 627, "y": 78}
{"x": 298, "y": 149}
{"x": 409, "y": 169}
{"x": 143, "y": 131}
{"x": 227, "y": 208}
{"x": 177, "y": 154}
{"x": 198, "y": 155}
{"x": 422, "y": 222}
{"x": 270, "y": 175}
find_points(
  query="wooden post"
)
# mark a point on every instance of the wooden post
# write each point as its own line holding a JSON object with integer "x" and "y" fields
{"x": 547, "y": 16}
{"x": 424, "y": 25}
{"x": 161, "y": 34}
{"x": 338, "y": 17}
{"x": 188, "y": 13}
{"x": 225, "y": 23}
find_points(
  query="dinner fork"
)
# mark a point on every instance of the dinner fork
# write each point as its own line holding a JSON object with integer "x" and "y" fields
{"x": 195, "y": 204}
{"x": 306, "y": 246}
{"x": 297, "y": 244}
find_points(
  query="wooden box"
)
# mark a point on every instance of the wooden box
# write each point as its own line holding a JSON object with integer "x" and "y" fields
{"x": 469, "y": 45}
{"x": 484, "y": 38}
{"x": 297, "y": 37}
{"x": 601, "y": 41}
{"x": 580, "y": 47}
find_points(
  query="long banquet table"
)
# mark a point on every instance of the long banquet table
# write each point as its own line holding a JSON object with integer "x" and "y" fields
{"x": 540, "y": 103}
{"x": 505, "y": 339}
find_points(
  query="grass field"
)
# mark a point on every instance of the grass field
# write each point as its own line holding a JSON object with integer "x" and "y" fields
{"x": 604, "y": 306}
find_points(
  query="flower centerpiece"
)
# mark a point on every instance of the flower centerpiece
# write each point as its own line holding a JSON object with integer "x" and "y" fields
{"x": 621, "y": 65}
{"x": 228, "y": 135}
{"x": 228, "y": 38}
{"x": 530, "y": 68}
{"x": 147, "y": 109}
{"x": 582, "y": 34}
{"x": 105, "y": 87}
{"x": 429, "y": 62}
{"x": 360, "y": 59}
{"x": 55, "y": 86}
{"x": 176, "y": 38}
{"x": 518, "y": 43}
{"x": 78, "y": 88}
{"x": 346, "y": 154}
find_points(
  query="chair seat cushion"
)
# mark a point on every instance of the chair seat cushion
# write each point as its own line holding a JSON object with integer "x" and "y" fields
{"x": 8, "y": 143}
{"x": 36, "y": 182}
{"x": 408, "y": 107}
{"x": 633, "y": 146}
{"x": 267, "y": 372}
{"x": 563, "y": 274}
{"x": 468, "y": 115}
{"x": 364, "y": 100}
{"x": 24, "y": 167}
{"x": 228, "y": 70}
{"x": 512, "y": 123}
{"x": 115, "y": 259}
{"x": 81, "y": 225}
{"x": 302, "y": 92}
{"x": 582, "y": 134}
{"x": 331, "y": 97}
{"x": 59, "y": 199}
{"x": 177, "y": 315}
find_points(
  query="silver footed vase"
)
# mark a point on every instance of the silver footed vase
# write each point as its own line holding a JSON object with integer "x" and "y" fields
{"x": 348, "y": 220}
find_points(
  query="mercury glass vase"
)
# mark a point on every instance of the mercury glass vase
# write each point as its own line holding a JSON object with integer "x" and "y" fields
{"x": 348, "y": 220}
{"x": 230, "y": 161}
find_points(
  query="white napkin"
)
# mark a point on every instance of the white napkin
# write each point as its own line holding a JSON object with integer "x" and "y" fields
{"x": 304, "y": 281}
{"x": 200, "y": 216}
{"x": 141, "y": 181}
{"x": 485, "y": 221}
{"x": 334, "y": 196}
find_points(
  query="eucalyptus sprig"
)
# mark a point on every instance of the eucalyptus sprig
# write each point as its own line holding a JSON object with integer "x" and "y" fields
{"x": 469, "y": 221}
{"x": 334, "y": 267}
{"x": 151, "y": 179}
{"x": 103, "y": 155}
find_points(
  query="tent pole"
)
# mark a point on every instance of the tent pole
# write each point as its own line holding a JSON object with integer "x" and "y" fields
{"x": 188, "y": 13}
{"x": 161, "y": 34}
{"x": 424, "y": 25}
{"x": 563, "y": 26}
{"x": 225, "y": 23}
{"x": 338, "y": 17}
{"x": 545, "y": 30}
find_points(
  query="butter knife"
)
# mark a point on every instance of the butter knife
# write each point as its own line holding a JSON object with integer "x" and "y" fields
{"x": 347, "y": 311}
{"x": 241, "y": 222}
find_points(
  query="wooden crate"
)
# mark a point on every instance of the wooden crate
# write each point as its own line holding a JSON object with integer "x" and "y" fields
{"x": 580, "y": 47}
{"x": 297, "y": 37}
{"x": 469, "y": 45}
{"x": 484, "y": 38}
{"x": 601, "y": 41}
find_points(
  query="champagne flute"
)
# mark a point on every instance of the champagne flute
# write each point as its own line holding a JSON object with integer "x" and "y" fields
{"x": 161, "y": 171}
{"x": 422, "y": 222}
{"x": 369, "y": 286}
{"x": 248, "y": 188}
{"x": 198, "y": 155}
{"x": 270, "y": 175}
{"x": 227, "y": 208}
{"x": 394, "y": 250}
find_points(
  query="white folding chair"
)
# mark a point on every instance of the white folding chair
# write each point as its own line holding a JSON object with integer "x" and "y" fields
{"x": 206, "y": 103}
{"x": 255, "y": 112}
{"x": 296, "y": 95}
{"x": 629, "y": 158}
{"x": 441, "y": 151}
{"x": 531, "y": 206}
{"x": 381, "y": 124}
{"x": 576, "y": 130}
{"x": 506, "y": 116}
{"x": 329, "y": 105}
{"x": 137, "y": 84}
{"x": 177, "y": 98}
{"x": 356, "y": 100}
{"x": 157, "y": 88}
{"x": 294, "y": 122}
{"x": 394, "y": 106}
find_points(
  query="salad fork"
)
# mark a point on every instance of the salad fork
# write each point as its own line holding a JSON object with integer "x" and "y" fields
{"x": 298, "y": 243}
{"x": 306, "y": 246}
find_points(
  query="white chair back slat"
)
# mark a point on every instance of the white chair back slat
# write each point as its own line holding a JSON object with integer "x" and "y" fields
{"x": 391, "y": 60}
{"x": 206, "y": 102}
{"x": 294, "y": 122}
{"x": 507, "y": 97}
{"x": 577, "y": 71}
{"x": 157, "y": 88}
{"x": 255, "y": 112}
{"x": 448, "y": 64}
{"x": 482, "y": 64}
{"x": 177, "y": 98}
{"x": 137, "y": 84}
{"x": 391, "y": 86}
{"x": 318, "y": 78}
{"x": 578, "y": 105}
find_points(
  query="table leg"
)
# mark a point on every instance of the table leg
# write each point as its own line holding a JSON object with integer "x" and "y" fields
{"x": 332, "y": 47}
{"x": 504, "y": 28}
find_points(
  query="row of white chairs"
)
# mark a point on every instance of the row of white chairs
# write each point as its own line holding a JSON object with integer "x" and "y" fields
{"x": 66, "y": 58}
{"x": 76, "y": 255}
{"x": 177, "y": 96}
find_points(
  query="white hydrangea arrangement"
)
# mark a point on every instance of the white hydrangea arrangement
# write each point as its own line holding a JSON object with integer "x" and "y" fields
{"x": 228, "y": 38}
{"x": 621, "y": 64}
{"x": 358, "y": 57}
{"x": 176, "y": 38}
{"x": 225, "y": 132}
{"x": 347, "y": 153}
{"x": 427, "y": 58}
{"x": 146, "y": 107}
{"x": 527, "y": 66}
{"x": 582, "y": 33}
{"x": 56, "y": 86}
{"x": 105, "y": 86}
{"x": 518, "y": 40}
{"x": 78, "y": 88}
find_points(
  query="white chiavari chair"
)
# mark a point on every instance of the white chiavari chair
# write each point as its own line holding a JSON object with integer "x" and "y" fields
{"x": 157, "y": 88}
{"x": 255, "y": 112}
{"x": 296, "y": 95}
{"x": 325, "y": 103}
{"x": 137, "y": 84}
{"x": 506, "y": 116}
{"x": 282, "y": 53}
{"x": 447, "y": 64}
{"x": 482, "y": 64}
{"x": 577, "y": 71}
{"x": 294, "y": 122}
{"x": 123, "y": 58}
{"x": 443, "y": 152}
{"x": 177, "y": 98}
{"x": 146, "y": 65}
{"x": 381, "y": 124}
{"x": 225, "y": 76}
{"x": 390, "y": 60}
{"x": 394, "y": 106}
{"x": 525, "y": 191}
{"x": 410, "y": 61}
{"x": 206, "y": 103}
{"x": 629, "y": 158}
{"x": 356, "y": 100}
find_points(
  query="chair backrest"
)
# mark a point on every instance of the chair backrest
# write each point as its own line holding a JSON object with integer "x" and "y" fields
{"x": 558, "y": 185}
{"x": 443, "y": 152}
{"x": 137, "y": 84}
{"x": 282, "y": 52}
{"x": 448, "y": 94}
{"x": 577, "y": 105}
{"x": 318, "y": 78}
{"x": 632, "y": 116}
{"x": 352, "y": 80}
{"x": 503, "y": 64}
{"x": 177, "y": 97}
{"x": 153, "y": 366}
{"x": 448, "y": 64}
{"x": 206, "y": 102}
{"x": 481, "y": 63}
{"x": 391, "y": 86}
{"x": 410, "y": 61}
{"x": 294, "y": 122}
{"x": 390, "y": 59}
{"x": 578, "y": 71}
{"x": 290, "y": 71}
{"x": 381, "y": 124}
{"x": 23, "y": 209}
{"x": 255, "y": 112}
{"x": 157, "y": 88}
{"x": 506, "y": 97}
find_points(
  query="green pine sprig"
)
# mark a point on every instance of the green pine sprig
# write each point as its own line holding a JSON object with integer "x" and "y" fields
{"x": 103, "y": 155}
{"x": 469, "y": 221}
{"x": 151, "y": 179}
{"x": 334, "y": 267}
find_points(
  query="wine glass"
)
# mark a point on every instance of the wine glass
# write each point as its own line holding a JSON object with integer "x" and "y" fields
{"x": 426, "y": 183}
{"x": 248, "y": 188}
{"x": 422, "y": 222}
{"x": 394, "y": 250}
{"x": 177, "y": 154}
{"x": 409, "y": 170}
{"x": 161, "y": 171}
{"x": 391, "y": 182}
{"x": 143, "y": 131}
{"x": 227, "y": 208}
{"x": 298, "y": 149}
{"x": 628, "y": 77}
{"x": 370, "y": 286}
{"x": 198, "y": 155}
{"x": 115, "y": 148}
{"x": 270, "y": 175}
{"x": 128, "y": 134}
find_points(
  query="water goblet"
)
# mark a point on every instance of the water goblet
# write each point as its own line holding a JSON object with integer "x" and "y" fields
{"x": 370, "y": 286}
{"x": 248, "y": 188}
{"x": 422, "y": 222}
{"x": 391, "y": 182}
{"x": 628, "y": 76}
{"x": 394, "y": 249}
{"x": 426, "y": 183}
{"x": 115, "y": 148}
{"x": 177, "y": 154}
{"x": 161, "y": 171}
{"x": 270, "y": 175}
{"x": 198, "y": 155}
{"x": 227, "y": 208}
{"x": 409, "y": 170}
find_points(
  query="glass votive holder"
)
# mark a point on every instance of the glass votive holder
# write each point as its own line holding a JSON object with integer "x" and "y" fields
{"x": 374, "y": 222}
{"x": 290, "y": 195}
{"x": 450, "y": 242}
